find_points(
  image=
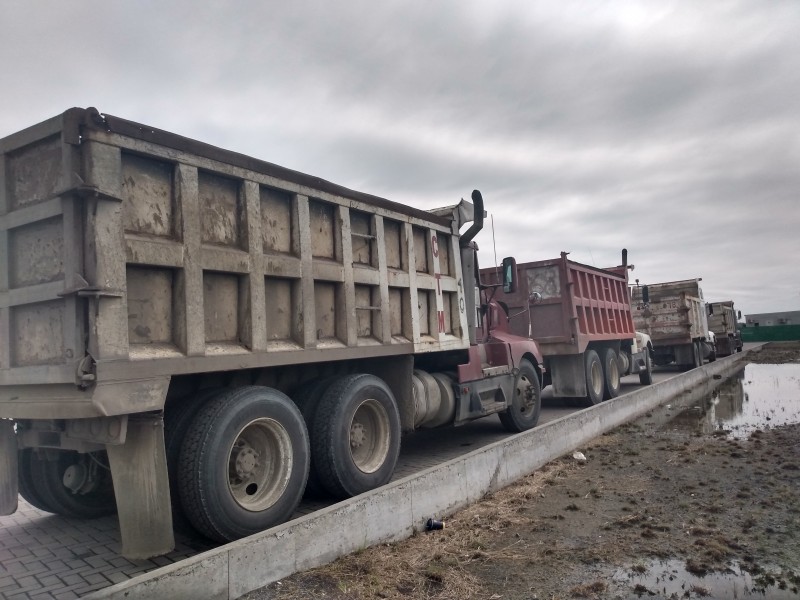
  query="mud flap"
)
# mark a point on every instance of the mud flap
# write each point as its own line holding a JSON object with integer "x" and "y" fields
{"x": 141, "y": 488}
{"x": 9, "y": 483}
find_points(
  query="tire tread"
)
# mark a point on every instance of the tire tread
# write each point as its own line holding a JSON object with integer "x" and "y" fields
{"x": 323, "y": 437}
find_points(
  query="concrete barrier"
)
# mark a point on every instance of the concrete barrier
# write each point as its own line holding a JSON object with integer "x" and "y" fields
{"x": 395, "y": 511}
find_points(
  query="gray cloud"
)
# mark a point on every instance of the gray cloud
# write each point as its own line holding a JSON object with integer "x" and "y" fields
{"x": 670, "y": 129}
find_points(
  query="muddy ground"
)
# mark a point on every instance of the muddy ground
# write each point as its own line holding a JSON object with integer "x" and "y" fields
{"x": 653, "y": 512}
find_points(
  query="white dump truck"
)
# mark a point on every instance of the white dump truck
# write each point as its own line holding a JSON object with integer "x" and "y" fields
{"x": 189, "y": 331}
{"x": 673, "y": 314}
{"x": 722, "y": 318}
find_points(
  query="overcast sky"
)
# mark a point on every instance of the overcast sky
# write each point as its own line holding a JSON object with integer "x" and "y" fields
{"x": 668, "y": 128}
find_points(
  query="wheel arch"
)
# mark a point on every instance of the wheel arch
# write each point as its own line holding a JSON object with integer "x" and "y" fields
{"x": 537, "y": 366}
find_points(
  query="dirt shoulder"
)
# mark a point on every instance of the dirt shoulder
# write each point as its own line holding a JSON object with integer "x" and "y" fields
{"x": 651, "y": 506}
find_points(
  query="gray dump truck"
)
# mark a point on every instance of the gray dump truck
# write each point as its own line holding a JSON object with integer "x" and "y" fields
{"x": 189, "y": 332}
{"x": 673, "y": 314}
{"x": 722, "y": 318}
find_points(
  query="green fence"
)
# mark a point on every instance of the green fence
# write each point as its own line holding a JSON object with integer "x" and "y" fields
{"x": 770, "y": 333}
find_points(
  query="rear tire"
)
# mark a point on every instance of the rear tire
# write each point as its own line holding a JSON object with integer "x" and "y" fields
{"x": 307, "y": 397}
{"x": 47, "y": 477}
{"x": 612, "y": 384}
{"x": 595, "y": 382}
{"x": 355, "y": 440}
{"x": 177, "y": 419}
{"x": 646, "y": 376}
{"x": 244, "y": 463}
{"x": 523, "y": 411}
{"x": 27, "y": 489}
{"x": 713, "y": 356}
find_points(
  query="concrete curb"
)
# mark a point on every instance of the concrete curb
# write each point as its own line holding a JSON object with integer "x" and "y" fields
{"x": 395, "y": 511}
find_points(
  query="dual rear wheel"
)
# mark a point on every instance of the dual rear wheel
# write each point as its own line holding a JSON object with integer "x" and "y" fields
{"x": 244, "y": 456}
{"x": 238, "y": 459}
{"x": 602, "y": 375}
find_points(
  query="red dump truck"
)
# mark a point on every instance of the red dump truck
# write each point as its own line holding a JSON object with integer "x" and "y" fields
{"x": 189, "y": 331}
{"x": 580, "y": 316}
{"x": 722, "y": 318}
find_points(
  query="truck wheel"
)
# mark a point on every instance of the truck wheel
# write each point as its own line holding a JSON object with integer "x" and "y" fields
{"x": 177, "y": 418}
{"x": 90, "y": 493}
{"x": 526, "y": 404}
{"x": 595, "y": 381}
{"x": 243, "y": 464}
{"x": 355, "y": 441}
{"x": 698, "y": 354}
{"x": 307, "y": 397}
{"x": 646, "y": 376}
{"x": 612, "y": 383}
{"x": 27, "y": 489}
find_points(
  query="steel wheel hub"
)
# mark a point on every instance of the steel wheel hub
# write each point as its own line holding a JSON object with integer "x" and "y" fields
{"x": 525, "y": 394}
{"x": 260, "y": 463}
{"x": 357, "y": 435}
{"x": 246, "y": 462}
{"x": 369, "y": 436}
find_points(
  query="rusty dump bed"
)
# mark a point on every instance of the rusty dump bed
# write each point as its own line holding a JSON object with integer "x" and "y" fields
{"x": 130, "y": 254}
{"x": 675, "y": 315}
{"x": 579, "y": 304}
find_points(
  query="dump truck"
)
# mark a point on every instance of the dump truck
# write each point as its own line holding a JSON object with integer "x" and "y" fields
{"x": 580, "y": 316}
{"x": 191, "y": 333}
{"x": 722, "y": 319}
{"x": 673, "y": 314}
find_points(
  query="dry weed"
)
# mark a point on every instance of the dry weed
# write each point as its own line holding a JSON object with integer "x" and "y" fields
{"x": 431, "y": 565}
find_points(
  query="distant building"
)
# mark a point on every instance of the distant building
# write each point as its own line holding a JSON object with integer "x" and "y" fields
{"x": 771, "y": 319}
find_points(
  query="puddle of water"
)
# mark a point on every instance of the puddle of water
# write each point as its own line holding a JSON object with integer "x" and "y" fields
{"x": 758, "y": 397}
{"x": 771, "y": 397}
{"x": 670, "y": 579}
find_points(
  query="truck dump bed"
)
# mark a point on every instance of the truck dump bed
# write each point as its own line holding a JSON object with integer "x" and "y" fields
{"x": 722, "y": 318}
{"x": 129, "y": 255}
{"x": 675, "y": 315}
{"x": 722, "y": 321}
{"x": 579, "y": 304}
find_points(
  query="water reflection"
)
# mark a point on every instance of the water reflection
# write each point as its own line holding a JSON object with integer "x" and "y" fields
{"x": 757, "y": 397}
{"x": 670, "y": 579}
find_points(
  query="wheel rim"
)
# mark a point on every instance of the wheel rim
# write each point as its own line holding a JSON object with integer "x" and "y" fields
{"x": 260, "y": 463}
{"x": 369, "y": 436}
{"x": 613, "y": 372}
{"x": 596, "y": 374}
{"x": 524, "y": 393}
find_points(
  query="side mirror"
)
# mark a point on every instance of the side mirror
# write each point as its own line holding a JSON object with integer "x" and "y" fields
{"x": 509, "y": 275}
{"x": 645, "y": 294}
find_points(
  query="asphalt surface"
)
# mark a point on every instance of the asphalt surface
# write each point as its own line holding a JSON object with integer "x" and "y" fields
{"x": 46, "y": 556}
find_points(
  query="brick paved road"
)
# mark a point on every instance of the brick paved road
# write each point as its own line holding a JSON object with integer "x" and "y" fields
{"x": 46, "y": 556}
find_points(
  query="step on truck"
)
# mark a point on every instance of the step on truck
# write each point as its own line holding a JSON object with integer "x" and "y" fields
{"x": 580, "y": 316}
{"x": 674, "y": 315}
{"x": 192, "y": 336}
{"x": 722, "y": 319}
